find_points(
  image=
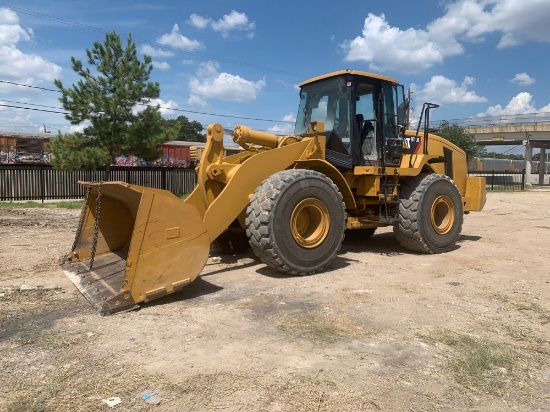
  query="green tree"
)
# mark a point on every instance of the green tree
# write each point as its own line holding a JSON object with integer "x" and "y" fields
{"x": 495, "y": 155}
{"x": 187, "y": 131}
{"x": 111, "y": 99}
{"x": 190, "y": 131}
{"x": 456, "y": 135}
{"x": 77, "y": 152}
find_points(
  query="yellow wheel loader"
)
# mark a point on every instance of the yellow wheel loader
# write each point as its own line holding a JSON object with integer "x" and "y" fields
{"x": 351, "y": 166}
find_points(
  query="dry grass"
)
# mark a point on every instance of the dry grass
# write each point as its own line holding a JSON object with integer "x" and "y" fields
{"x": 481, "y": 365}
{"x": 522, "y": 305}
{"x": 322, "y": 328}
{"x": 76, "y": 204}
{"x": 261, "y": 392}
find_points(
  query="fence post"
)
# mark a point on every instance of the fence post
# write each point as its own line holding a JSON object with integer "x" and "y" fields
{"x": 523, "y": 180}
{"x": 42, "y": 183}
{"x": 493, "y": 180}
{"x": 163, "y": 178}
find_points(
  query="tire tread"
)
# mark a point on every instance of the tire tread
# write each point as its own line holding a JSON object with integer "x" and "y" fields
{"x": 407, "y": 230}
{"x": 259, "y": 212}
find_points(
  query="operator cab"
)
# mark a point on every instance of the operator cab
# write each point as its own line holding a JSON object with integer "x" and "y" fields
{"x": 364, "y": 115}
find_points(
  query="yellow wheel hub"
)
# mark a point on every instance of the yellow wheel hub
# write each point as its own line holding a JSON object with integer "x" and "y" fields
{"x": 309, "y": 223}
{"x": 442, "y": 215}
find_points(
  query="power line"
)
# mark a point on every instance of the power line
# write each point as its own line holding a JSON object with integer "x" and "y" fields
{"x": 154, "y": 106}
{"x": 32, "y": 104}
{"x": 28, "y": 85}
{"x": 512, "y": 149}
{"x": 30, "y": 108}
{"x": 217, "y": 114}
{"x": 58, "y": 112}
{"x": 180, "y": 49}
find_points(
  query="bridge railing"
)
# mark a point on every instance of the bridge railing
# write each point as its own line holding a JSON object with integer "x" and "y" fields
{"x": 503, "y": 120}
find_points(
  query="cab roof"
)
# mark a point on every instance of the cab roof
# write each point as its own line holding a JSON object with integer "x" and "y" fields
{"x": 353, "y": 72}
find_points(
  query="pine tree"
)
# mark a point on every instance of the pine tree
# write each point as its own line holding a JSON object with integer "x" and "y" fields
{"x": 111, "y": 100}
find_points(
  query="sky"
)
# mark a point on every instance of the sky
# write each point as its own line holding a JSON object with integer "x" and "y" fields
{"x": 240, "y": 62}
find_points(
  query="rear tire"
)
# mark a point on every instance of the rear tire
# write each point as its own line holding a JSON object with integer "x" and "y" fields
{"x": 296, "y": 221}
{"x": 430, "y": 214}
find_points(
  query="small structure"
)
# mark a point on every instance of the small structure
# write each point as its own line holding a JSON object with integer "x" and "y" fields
{"x": 24, "y": 147}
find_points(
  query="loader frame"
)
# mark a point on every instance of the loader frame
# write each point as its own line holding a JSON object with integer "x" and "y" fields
{"x": 136, "y": 244}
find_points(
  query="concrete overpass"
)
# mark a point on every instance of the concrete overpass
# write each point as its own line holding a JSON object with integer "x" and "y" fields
{"x": 531, "y": 130}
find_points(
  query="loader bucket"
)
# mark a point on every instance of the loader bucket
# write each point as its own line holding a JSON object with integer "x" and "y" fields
{"x": 134, "y": 244}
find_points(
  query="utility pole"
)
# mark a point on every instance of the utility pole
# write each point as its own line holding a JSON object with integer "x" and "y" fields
{"x": 409, "y": 107}
{"x": 528, "y": 158}
{"x": 542, "y": 164}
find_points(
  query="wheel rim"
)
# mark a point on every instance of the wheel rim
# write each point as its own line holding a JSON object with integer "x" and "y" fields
{"x": 310, "y": 222}
{"x": 443, "y": 215}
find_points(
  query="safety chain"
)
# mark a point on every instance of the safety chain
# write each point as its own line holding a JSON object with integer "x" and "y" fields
{"x": 82, "y": 217}
{"x": 96, "y": 225}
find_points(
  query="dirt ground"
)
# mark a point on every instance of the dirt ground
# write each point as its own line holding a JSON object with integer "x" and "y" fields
{"x": 381, "y": 330}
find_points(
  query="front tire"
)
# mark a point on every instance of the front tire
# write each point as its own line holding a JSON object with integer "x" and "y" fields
{"x": 295, "y": 221}
{"x": 430, "y": 214}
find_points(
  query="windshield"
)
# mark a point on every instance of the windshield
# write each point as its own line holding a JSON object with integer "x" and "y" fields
{"x": 325, "y": 101}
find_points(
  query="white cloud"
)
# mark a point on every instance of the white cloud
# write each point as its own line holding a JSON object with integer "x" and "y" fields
{"x": 166, "y": 107}
{"x": 30, "y": 68}
{"x": 176, "y": 39}
{"x": 234, "y": 21}
{"x": 15, "y": 116}
{"x": 8, "y": 16}
{"x": 10, "y": 30}
{"x": 161, "y": 65}
{"x": 523, "y": 79}
{"x": 199, "y": 21}
{"x": 442, "y": 90}
{"x": 284, "y": 128}
{"x": 508, "y": 40}
{"x": 155, "y": 52}
{"x": 519, "y": 104}
{"x": 209, "y": 84}
{"x": 78, "y": 128}
{"x": 195, "y": 100}
{"x": 518, "y": 21}
{"x": 414, "y": 50}
{"x": 389, "y": 48}
{"x": 16, "y": 65}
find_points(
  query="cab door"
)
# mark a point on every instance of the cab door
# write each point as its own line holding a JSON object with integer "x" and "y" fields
{"x": 394, "y": 113}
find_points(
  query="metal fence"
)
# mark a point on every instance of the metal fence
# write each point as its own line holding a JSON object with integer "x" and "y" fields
{"x": 503, "y": 181}
{"x": 42, "y": 182}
